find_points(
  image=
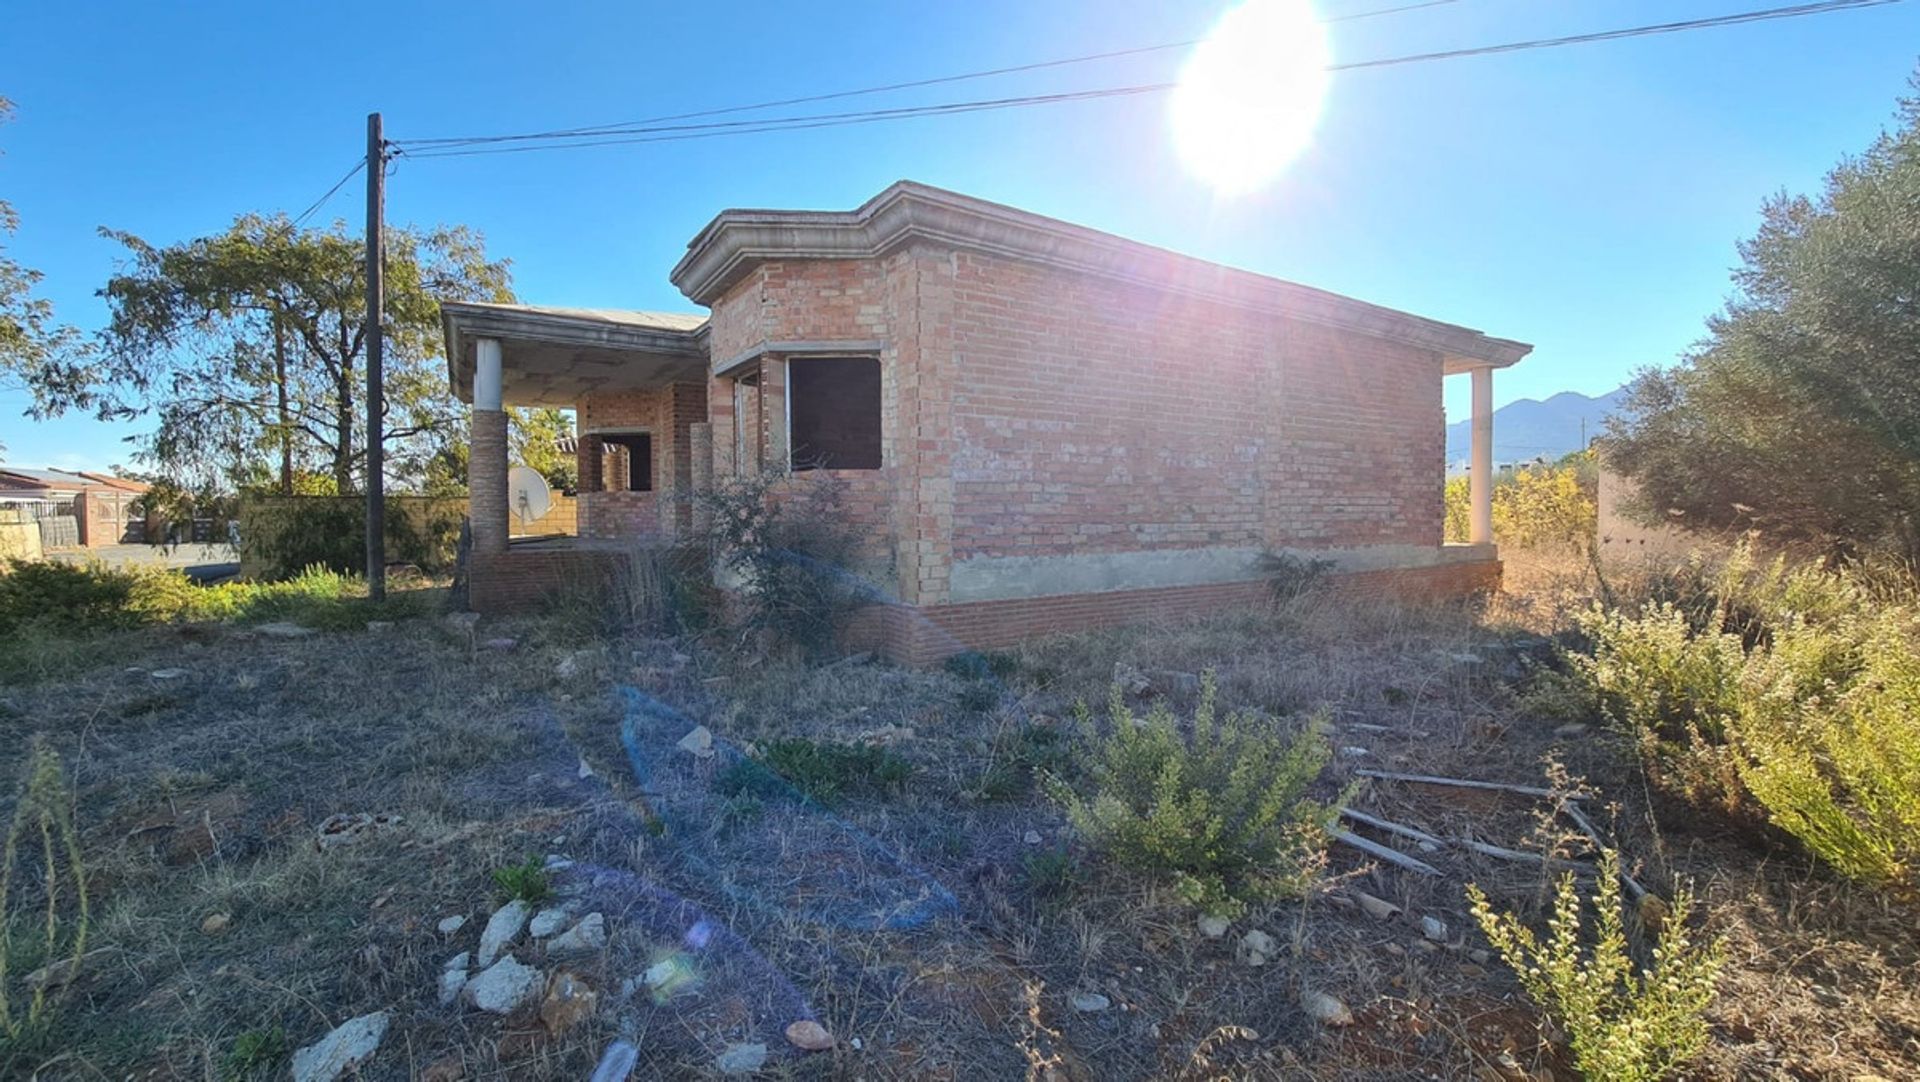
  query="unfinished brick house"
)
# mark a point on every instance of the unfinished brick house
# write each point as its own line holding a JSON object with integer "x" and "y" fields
{"x": 1041, "y": 427}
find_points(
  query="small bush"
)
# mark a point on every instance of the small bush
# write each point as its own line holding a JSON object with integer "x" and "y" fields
{"x": 1624, "y": 1022}
{"x": 255, "y": 1054}
{"x": 43, "y": 886}
{"x": 1050, "y": 873}
{"x": 974, "y": 665}
{"x": 1290, "y": 577}
{"x": 1019, "y": 757}
{"x": 1220, "y": 805}
{"x": 1792, "y": 695}
{"x": 826, "y": 772}
{"x": 788, "y": 543}
{"x": 527, "y": 882}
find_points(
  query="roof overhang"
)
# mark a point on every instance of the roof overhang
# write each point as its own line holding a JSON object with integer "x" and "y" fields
{"x": 738, "y": 240}
{"x": 553, "y": 356}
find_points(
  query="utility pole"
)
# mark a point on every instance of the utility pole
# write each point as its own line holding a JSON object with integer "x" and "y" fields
{"x": 376, "y": 403}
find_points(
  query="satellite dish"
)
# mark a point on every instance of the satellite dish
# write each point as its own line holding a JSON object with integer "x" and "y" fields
{"x": 527, "y": 496}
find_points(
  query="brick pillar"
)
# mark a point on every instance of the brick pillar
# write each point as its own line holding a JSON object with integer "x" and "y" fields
{"x": 487, "y": 453}
{"x": 700, "y": 479}
{"x": 487, "y": 481}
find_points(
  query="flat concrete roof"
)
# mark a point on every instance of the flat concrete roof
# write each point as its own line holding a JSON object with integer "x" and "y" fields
{"x": 552, "y": 355}
{"x": 738, "y": 240}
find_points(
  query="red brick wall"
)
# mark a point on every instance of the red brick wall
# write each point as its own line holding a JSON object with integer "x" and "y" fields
{"x": 1361, "y": 444}
{"x": 668, "y": 414}
{"x": 522, "y": 579}
{"x": 1094, "y": 416}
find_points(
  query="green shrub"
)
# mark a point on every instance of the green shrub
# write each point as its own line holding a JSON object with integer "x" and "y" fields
{"x": 1624, "y": 1022}
{"x": 43, "y": 887}
{"x": 64, "y": 598}
{"x": 527, "y": 882}
{"x": 826, "y": 772}
{"x": 1221, "y": 806}
{"x": 1828, "y": 742}
{"x": 789, "y": 545}
{"x": 1290, "y": 577}
{"x": 255, "y": 1054}
{"x": 1791, "y": 695}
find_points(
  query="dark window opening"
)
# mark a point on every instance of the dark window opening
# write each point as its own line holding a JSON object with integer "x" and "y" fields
{"x": 639, "y": 450}
{"x": 833, "y": 411}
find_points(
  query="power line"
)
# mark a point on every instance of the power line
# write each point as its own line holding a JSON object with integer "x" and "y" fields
{"x": 359, "y": 164}
{"x": 649, "y": 132}
{"x": 891, "y": 87}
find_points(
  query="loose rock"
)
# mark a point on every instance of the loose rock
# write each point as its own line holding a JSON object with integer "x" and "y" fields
{"x": 216, "y": 923}
{"x": 742, "y": 1059}
{"x": 1213, "y": 927}
{"x": 282, "y": 629}
{"x": 699, "y": 742}
{"x": 377, "y": 626}
{"x": 1325, "y": 1009}
{"x": 587, "y": 937}
{"x": 1434, "y": 928}
{"x": 453, "y": 978}
{"x": 1090, "y": 1002}
{"x": 503, "y": 987}
{"x": 347, "y": 1047}
{"x": 809, "y": 1035}
{"x": 450, "y": 925}
{"x": 502, "y": 928}
{"x": 1256, "y": 948}
{"x": 546, "y": 922}
{"x": 501, "y": 645}
{"x": 1032, "y": 837}
{"x": 569, "y": 1002}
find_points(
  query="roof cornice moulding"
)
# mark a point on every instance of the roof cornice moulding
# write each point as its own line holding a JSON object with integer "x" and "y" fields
{"x": 738, "y": 240}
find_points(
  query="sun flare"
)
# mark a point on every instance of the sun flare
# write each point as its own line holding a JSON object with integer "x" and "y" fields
{"x": 1250, "y": 94}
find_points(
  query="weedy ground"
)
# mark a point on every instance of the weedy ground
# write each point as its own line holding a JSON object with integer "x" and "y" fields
{"x": 199, "y": 794}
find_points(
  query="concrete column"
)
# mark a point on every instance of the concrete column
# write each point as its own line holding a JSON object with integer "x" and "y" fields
{"x": 1480, "y": 466}
{"x": 487, "y": 453}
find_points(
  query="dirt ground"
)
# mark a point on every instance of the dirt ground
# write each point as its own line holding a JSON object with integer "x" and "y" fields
{"x": 941, "y": 926}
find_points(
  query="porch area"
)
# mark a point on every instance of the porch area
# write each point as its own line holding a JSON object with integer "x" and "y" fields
{"x": 637, "y": 383}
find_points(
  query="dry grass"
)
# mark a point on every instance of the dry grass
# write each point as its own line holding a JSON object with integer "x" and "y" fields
{"x": 201, "y": 794}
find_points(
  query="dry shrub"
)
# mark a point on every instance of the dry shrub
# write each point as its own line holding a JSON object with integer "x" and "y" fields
{"x": 1221, "y": 805}
{"x": 1624, "y": 1022}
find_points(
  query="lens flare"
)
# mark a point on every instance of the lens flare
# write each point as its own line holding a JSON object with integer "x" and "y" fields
{"x": 1251, "y": 93}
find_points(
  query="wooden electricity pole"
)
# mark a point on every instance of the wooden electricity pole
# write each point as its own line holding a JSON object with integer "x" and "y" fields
{"x": 376, "y": 404}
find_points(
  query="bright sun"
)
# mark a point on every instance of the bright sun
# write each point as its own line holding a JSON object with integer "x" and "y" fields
{"x": 1250, "y": 94}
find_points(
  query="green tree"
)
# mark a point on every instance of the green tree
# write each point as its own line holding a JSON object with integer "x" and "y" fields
{"x": 32, "y": 346}
{"x": 247, "y": 347}
{"x": 1799, "y": 415}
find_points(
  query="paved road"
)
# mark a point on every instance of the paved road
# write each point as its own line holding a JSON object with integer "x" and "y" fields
{"x": 207, "y": 563}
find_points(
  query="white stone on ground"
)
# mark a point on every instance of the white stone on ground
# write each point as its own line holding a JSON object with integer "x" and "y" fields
{"x": 1090, "y": 1002}
{"x": 1213, "y": 927}
{"x": 453, "y": 977}
{"x": 546, "y": 922}
{"x": 450, "y": 925}
{"x": 586, "y": 937}
{"x": 502, "y": 928}
{"x": 742, "y": 1059}
{"x": 348, "y": 1046}
{"x": 504, "y": 986}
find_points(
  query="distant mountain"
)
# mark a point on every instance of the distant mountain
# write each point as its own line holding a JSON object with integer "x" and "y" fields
{"x": 1528, "y": 429}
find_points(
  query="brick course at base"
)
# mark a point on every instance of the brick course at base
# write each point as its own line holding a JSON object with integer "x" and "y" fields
{"x": 926, "y": 636}
{"x": 522, "y": 580}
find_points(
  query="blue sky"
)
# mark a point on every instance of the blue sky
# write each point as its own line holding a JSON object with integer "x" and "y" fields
{"x": 1585, "y": 199}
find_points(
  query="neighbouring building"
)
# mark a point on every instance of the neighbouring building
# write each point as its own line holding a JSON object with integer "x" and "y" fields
{"x": 74, "y": 508}
{"x": 1041, "y": 427}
